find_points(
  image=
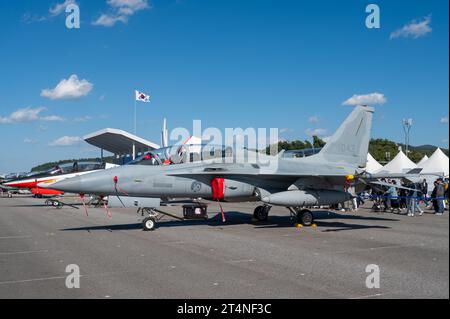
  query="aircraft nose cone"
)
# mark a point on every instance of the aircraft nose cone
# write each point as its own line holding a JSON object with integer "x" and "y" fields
{"x": 70, "y": 185}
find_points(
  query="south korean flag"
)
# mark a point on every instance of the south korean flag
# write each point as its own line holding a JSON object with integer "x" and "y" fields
{"x": 142, "y": 97}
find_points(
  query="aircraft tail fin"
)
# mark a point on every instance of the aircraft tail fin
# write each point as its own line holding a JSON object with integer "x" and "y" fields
{"x": 350, "y": 143}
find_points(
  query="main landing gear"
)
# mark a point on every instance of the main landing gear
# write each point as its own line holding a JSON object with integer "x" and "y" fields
{"x": 149, "y": 224}
{"x": 303, "y": 216}
{"x": 151, "y": 221}
{"x": 190, "y": 212}
{"x": 261, "y": 213}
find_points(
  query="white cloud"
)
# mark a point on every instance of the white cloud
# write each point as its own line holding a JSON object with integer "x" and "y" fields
{"x": 129, "y": 7}
{"x": 366, "y": 99}
{"x": 444, "y": 120}
{"x": 316, "y": 132}
{"x": 52, "y": 118}
{"x": 415, "y": 29}
{"x": 29, "y": 115}
{"x": 313, "y": 119}
{"x": 31, "y": 18}
{"x": 120, "y": 11}
{"x": 59, "y": 8}
{"x": 83, "y": 119}
{"x": 54, "y": 11}
{"x": 66, "y": 141}
{"x": 29, "y": 141}
{"x": 72, "y": 88}
{"x": 107, "y": 20}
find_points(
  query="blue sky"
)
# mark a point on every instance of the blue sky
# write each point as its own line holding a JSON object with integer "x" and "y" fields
{"x": 234, "y": 63}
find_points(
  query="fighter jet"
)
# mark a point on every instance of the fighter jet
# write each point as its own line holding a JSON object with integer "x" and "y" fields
{"x": 295, "y": 183}
{"x": 31, "y": 181}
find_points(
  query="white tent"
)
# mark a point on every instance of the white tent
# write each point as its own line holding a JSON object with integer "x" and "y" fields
{"x": 422, "y": 161}
{"x": 437, "y": 163}
{"x": 399, "y": 164}
{"x": 372, "y": 164}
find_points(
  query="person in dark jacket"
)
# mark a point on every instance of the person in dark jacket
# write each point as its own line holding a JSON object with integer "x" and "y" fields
{"x": 424, "y": 190}
{"x": 433, "y": 197}
{"x": 440, "y": 197}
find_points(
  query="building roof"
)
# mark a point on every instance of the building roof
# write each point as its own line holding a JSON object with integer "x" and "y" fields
{"x": 119, "y": 142}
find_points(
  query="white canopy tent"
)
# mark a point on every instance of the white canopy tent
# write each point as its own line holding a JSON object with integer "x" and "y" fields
{"x": 372, "y": 165}
{"x": 437, "y": 163}
{"x": 422, "y": 161}
{"x": 399, "y": 164}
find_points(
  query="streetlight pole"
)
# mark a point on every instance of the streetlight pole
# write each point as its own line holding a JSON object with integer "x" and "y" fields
{"x": 407, "y": 124}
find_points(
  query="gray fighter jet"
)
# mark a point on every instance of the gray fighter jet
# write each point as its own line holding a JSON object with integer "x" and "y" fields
{"x": 295, "y": 183}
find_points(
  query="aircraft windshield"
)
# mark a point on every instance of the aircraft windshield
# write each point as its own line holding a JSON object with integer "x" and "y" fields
{"x": 301, "y": 153}
{"x": 75, "y": 167}
{"x": 182, "y": 154}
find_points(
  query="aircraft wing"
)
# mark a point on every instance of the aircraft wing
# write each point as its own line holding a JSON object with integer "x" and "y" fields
{"x": 268, "y": 179}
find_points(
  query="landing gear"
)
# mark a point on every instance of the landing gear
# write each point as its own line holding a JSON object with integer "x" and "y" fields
{"x": 54, "y": 203}
{"x": 302, "y": 216}
{"x": 305, "y": 217}
{"x": 149, "y": 224}
{"x": 261, "y": 213}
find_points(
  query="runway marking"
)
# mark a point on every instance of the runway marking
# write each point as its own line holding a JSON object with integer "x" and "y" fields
{"x": 23, "y": 252}
{"x": 59, "y": 277}
{"x": 15, "y": 237}
{"x": 241, "y": 261}
{"x": 32, "y": 280}
{"x": 373, "y": 248}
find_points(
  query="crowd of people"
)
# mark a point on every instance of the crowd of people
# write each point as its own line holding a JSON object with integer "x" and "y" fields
{"x": 406, "y": 197}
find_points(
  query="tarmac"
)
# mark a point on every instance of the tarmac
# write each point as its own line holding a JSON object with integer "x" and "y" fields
{"x": 210, "y": 259}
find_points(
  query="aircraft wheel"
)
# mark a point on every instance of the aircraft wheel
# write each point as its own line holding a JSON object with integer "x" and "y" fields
{"x": 305, "y": 217}
{"x": 149, "y": 224}
{"x": 261, "y": 213}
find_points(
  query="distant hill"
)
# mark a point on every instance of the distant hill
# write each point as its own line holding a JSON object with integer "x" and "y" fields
{"x": 427, "y": 149}
{"x": 382, "y": 150}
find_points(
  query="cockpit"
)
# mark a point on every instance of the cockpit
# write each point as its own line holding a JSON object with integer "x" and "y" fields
{"x": 75, "y": 167}
{"x": 183, "y": 154}
{"x": 301, "y": 153}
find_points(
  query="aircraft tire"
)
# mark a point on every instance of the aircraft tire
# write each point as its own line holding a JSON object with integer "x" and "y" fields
{"x": 149, "y": 224}
{"x": 261, "y": 213}
{"x": 305, "y": 217}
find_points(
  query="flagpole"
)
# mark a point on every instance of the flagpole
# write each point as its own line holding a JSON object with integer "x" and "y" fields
{"x": 135, "y": 127}
{"x": 135, "y": 121}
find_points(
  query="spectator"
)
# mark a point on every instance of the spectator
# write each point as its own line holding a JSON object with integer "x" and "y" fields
{"x": 403, "y": 196}
{"x": 413, "y": 196}
{"x": 440, "y": 197}
{"x": 392, "y": 198}
{"x": 433, "y": 197}
{"x": 424, "y": 190}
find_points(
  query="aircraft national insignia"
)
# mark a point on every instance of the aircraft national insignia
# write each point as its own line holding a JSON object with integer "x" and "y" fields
{"x": 196, "y": 186}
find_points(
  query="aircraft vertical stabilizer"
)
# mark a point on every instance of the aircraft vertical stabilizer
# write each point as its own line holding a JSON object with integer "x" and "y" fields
{"x": 350, "y": 143}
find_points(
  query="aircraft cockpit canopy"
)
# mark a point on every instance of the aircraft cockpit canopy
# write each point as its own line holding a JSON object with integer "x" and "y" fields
{"x": 182, "y": 154}
{"x": 75, "y": 167}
